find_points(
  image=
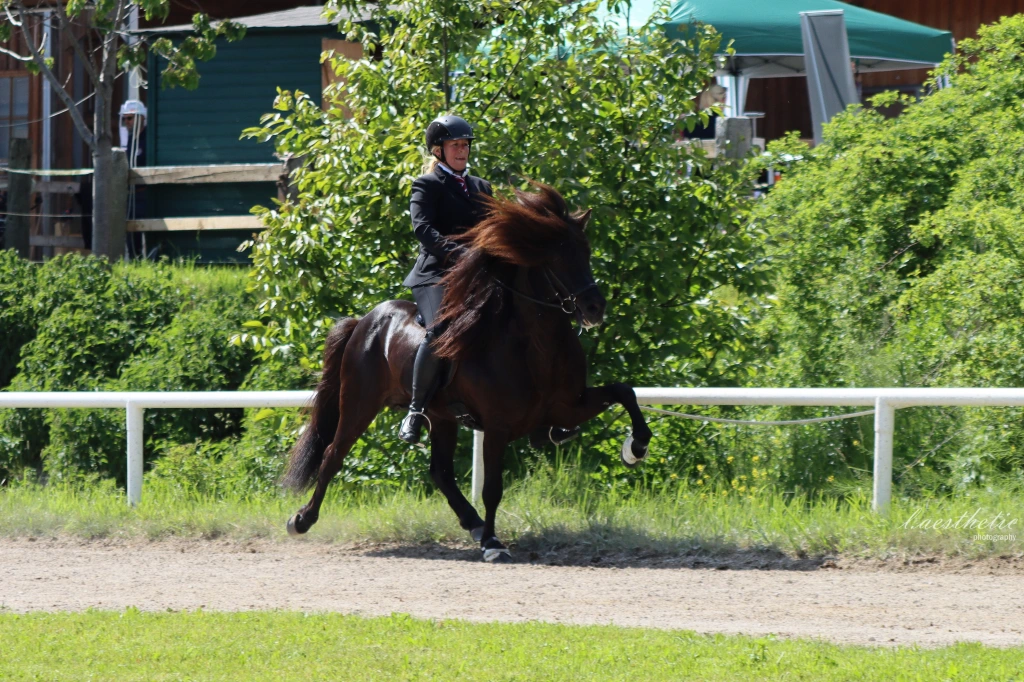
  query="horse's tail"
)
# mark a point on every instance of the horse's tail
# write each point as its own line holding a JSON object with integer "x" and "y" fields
{"x": 308, "y": 453}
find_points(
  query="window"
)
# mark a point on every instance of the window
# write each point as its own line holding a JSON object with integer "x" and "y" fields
{"x": 13, "y": 112}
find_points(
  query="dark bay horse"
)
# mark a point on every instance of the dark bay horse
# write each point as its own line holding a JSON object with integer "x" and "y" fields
{"x": 517, "y": 365}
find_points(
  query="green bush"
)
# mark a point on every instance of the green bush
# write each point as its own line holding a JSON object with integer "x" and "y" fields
{"x": 134, "y": 327}
{"x": 17, "y": 317}
{"x": 897, "y": 246}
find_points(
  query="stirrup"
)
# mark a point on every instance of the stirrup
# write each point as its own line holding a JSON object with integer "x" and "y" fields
{"x": 573, "y": 433}
{"x": 430, "y": 425}
{"x": 415, "y": 413}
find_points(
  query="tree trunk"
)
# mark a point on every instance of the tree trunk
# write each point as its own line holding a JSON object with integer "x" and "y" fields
{"x": 110, "y": 170}
{"x": 19, "y": 192}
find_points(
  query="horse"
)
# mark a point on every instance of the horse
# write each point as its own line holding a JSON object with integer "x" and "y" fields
{"x": 515, "y": 363}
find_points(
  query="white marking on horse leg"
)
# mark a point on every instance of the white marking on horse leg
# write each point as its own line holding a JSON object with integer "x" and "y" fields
{"x": 492, "y": 554}
{"x": 627, "y": 451}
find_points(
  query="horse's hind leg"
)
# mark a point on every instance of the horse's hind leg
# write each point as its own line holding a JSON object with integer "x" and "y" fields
{"x": 443, "y": 438}
{"x": 352, "y": 425}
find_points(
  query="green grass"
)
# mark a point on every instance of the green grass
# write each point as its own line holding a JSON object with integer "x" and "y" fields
{"x": 552, "y": 508}
{"x": 133, "y": 645}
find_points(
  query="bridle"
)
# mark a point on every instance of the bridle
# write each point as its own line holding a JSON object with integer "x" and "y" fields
{"x": 566, "y": 299}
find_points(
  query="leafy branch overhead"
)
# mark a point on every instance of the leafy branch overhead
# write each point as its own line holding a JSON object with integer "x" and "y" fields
{"x": 99, "y": 35}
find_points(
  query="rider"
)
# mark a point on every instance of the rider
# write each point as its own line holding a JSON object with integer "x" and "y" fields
{"x": 446, "y": 201}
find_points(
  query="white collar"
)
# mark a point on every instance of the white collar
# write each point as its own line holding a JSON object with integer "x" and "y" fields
{"x": 449, "y": 171}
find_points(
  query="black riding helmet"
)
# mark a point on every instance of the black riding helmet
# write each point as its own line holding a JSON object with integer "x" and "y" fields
{"x": 444, "y": 128}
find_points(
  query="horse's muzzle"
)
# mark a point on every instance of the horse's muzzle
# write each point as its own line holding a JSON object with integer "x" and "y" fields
{"x": 592, "y": 306}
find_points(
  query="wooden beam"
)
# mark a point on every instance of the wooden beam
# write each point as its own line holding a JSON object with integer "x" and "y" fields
{"x": 51, "y": 186}
{"x": 193, "y": 175}
{"x": 223, "y": 222}
{"x": 70, "y": 242}
{"x": 56, "y": 186}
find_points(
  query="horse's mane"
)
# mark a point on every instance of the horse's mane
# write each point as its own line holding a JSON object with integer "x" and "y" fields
{"x": 525, "y": 232}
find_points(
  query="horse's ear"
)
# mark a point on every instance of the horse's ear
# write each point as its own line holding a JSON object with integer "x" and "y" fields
{"x": 584, "y": 218}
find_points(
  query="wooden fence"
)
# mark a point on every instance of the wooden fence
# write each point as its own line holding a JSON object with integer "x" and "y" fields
{"x": 19, "y": 181}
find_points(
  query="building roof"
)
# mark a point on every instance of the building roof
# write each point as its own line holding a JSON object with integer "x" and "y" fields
{"x": 297, "y": 17}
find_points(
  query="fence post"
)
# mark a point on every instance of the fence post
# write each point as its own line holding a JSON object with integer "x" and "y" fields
{"x": 885, "y": 422}
{"x": 135, "y": 441}
{"x": 19, "y": 198}
{"x": 477, "y": 486}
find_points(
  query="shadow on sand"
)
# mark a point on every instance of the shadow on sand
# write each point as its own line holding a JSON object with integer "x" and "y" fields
{"x": 606, "y": 547}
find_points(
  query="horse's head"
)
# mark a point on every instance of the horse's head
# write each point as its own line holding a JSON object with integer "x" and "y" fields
{"x": 538, "y": 231}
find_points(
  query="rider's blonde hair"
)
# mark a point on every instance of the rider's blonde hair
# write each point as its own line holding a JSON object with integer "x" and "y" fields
{"x": 430, "y": 163}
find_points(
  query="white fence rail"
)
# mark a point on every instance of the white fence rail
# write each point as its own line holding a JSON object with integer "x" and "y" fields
{"x": 885, "y": 401}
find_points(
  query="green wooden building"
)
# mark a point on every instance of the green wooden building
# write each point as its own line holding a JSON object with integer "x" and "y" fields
{"x": 202, "y": 126}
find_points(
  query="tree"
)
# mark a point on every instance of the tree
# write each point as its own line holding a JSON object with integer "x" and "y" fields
{"x": 114, "y": 53}
{"x": 556, "y": 94}
{"x": 898, "y": 245}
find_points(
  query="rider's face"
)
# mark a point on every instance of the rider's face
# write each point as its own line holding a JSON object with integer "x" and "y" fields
{"x": 456, "y": 154}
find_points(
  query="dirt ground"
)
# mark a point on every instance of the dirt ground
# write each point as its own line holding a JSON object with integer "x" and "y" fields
{"x": 924, "y": 601}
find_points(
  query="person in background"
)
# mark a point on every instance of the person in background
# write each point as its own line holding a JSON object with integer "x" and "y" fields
{"x": 132, "y": 131}
{"x": 714, "y": 95}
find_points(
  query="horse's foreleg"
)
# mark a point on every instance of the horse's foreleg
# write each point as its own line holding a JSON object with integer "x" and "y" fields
{"x": 595, "y": 400}
{"x": 443, "y": 439}
{"x": 494, "y": 466}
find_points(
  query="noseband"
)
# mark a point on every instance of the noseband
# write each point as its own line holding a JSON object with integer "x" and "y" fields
{"x": 566, "y": 299}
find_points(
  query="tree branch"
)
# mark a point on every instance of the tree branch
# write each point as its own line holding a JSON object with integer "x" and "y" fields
{"x": 522, "y": 55}
{"x": 122, "y": 5}
{"x": 76, "y": 115}
{"x": 15, "y": 55}
{"x": 65, "y": 25}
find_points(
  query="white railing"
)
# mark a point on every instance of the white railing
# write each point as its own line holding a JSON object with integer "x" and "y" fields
{"x": 884, "y": 400}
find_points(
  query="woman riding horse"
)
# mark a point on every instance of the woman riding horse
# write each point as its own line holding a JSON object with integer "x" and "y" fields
{"x": 446, "y": 201}
{"x": 521, "y": 276}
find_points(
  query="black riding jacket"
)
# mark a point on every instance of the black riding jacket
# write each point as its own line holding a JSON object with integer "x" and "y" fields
{"x": 440, "y": 209}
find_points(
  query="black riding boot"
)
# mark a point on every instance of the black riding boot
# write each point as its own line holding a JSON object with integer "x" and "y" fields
{"x": 424, "y": 380}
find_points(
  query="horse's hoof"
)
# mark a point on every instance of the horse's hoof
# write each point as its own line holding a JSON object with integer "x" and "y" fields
{"x": 639, "y": 448}
{"x": 477, "y": 533}
{"x": 294, "y": 527}
{"x": 633, "y": 452}
{"x": 498, "y": 556}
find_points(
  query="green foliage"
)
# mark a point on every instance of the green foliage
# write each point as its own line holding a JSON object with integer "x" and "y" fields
{"x": 17, "y": 316}
{"x": 124, "y": 328}
{"x": 107, "y": 17}
{"x": 180, "y": 68}
{"x": 557, "y": 96}
{"x": 898, "y": 246}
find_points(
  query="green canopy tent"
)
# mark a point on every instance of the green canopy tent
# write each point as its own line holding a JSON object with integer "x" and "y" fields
{"x": 767, "y": 40}
{"x": 766, "y": 37}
